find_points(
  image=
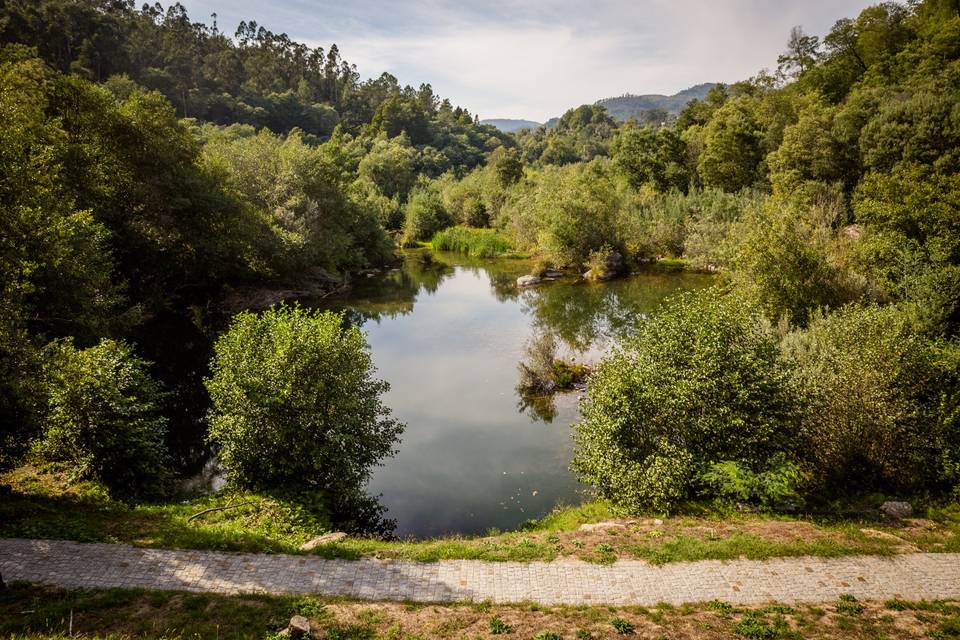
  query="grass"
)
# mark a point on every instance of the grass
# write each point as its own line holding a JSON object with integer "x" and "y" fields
{"x": 29, "y": 611}
{"x": 43, "y": 504}
{"x": 479, "y": 243}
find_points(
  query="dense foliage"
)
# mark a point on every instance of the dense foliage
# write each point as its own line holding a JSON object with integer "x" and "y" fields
{"x": 296, "y": 408}
{"x": 700, "y": 384}
{"x": 151, "y": 167}
{"x": 103, "y": 418}
{"x": 157, "y": 174}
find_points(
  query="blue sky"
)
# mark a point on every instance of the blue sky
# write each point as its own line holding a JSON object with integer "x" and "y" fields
{"x": 534, "y": 60}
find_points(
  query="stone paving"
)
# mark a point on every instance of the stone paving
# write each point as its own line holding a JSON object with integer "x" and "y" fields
{"x": 70, "y": 564}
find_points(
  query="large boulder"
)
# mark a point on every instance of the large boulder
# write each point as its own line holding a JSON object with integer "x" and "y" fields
{"x": 897, "y": 510}
{"x": 527, "y": 281}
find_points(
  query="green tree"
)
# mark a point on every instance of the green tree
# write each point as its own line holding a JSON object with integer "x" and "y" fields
{"x": 295, "y": 405}
{"x": 732, "y": 147}
{"x": 424, "y": 214}
{"x": 801, "y": 54}
{"x": 103, "y": 417}
{"x": 646, "y": 155}
{"x": 390, "y": 165}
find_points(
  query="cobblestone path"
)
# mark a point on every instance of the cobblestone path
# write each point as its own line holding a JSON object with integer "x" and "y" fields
{"x": 911, "y": 576}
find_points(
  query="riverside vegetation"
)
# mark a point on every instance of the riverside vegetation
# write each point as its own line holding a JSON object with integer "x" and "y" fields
{"x": 152, "y": 167}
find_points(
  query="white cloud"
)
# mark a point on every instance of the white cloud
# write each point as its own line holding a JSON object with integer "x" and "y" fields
{"x": 509, "y": 58}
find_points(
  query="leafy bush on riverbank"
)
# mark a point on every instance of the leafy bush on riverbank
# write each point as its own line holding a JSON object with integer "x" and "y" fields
{"x": 296, "y": 410}
{"x": 701, "y": 383}
{"x": 707, "y": 400}
{"x": 103, "y": 418}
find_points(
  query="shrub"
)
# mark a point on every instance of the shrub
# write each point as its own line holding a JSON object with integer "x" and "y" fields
{"x": 103, "y": 416}
{"x": 567, "y": 212}
{"x": 881, "y": 401}
{"x": 622, "y": 626}
{"x": 700, "y": 383}
{"x": 424, "y": 215}
{"x": 295, "y": 405}
{"x": 480, "y": 243}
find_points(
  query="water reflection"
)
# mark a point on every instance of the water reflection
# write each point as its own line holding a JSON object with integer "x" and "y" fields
{"x": 448, "y": 335}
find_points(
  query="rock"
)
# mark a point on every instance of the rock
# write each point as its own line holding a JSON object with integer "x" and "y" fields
{"x": 657, "y": 522}
{"x": 327, "y": 538}
{"x": 527, "y": 281}
{"x": 552, "y": 273}
{"x": 299, "y": 627}
{"x": 897, "y": 510}
{"x": 613, "y": 266}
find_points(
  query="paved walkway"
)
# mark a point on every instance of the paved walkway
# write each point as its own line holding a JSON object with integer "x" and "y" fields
{"x": 70, "y": 564}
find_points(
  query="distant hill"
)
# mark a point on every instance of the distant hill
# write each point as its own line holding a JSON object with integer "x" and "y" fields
{"x": 508, "y": 125}
{"x": 631, "y": 106}
{"x": 620, "y": 108}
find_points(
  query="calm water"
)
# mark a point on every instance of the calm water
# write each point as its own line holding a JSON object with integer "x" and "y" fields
{"x": 448, "y": 338}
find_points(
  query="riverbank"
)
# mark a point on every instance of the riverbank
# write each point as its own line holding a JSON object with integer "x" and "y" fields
{"x": 42, "y": 504}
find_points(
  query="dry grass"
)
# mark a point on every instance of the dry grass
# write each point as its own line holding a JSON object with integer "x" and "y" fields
{"x": 28, "y": 611}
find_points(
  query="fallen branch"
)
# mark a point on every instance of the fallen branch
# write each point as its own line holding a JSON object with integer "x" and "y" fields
{"x": 212, "y": 509}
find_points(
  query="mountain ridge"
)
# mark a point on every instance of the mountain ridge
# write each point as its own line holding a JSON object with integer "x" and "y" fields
{"x": 620, "y": 108}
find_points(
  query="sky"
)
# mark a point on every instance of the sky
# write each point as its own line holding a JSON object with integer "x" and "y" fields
{"x": 536, "y": 59}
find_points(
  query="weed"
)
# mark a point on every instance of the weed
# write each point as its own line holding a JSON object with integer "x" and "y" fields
{"x": 847, "y": 605}
{"x": 622, "y": 626}
{"x": 498, "y": 626}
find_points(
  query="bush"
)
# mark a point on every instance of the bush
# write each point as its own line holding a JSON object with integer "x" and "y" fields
{"x": 480, "y": 243}
{"x": 295, "y": 405}
{"x": 700, "y": 383}
{"x": 424, "y": 216}
{"x": 881, "y": 401}
{"x": 103, "y": 416}
{"x": 566, "y": 212}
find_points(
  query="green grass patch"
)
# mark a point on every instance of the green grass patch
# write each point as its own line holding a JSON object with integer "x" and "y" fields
{"x": 479, "y": 243}
{"x": 42, "y": 503}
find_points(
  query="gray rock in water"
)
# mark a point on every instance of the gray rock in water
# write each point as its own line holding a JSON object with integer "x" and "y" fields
{"x": 527, "y": 281}
{"x": 327, "y": 538}
{"x": 299, "y": 627}
{"x": 552, "y": 273}
{"x": 897, "y": 509}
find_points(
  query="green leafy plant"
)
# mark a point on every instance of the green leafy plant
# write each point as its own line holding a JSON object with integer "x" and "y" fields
{"x": 774, "y": 487}
{"x": 498, "y": 626}
{"x": 848, "y": 605}
{"x": 622, "y": 626}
